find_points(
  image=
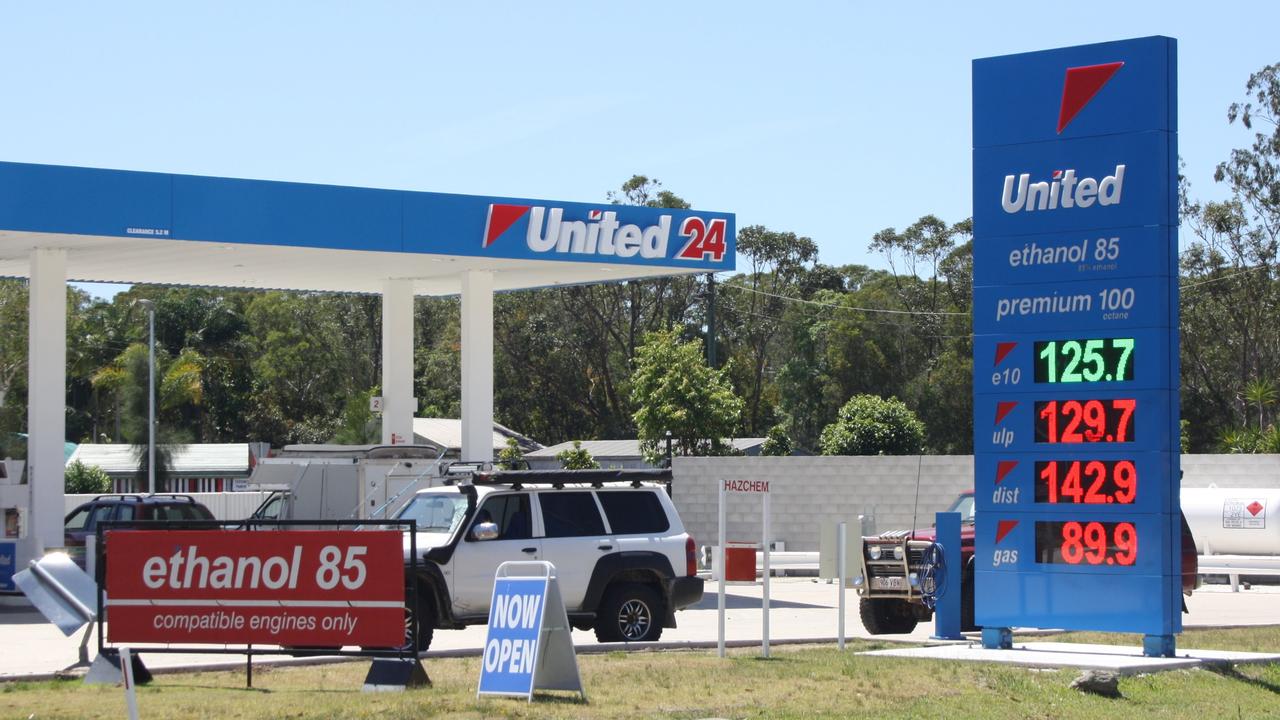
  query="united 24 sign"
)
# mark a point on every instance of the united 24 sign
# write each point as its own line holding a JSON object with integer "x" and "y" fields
{"x": 600, "y": 233}
{"x": 329, "y": 588}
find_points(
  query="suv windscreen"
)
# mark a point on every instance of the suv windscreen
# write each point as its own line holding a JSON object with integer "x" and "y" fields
{"x": 435, "y": 513}
{"x": 570, "y": 514}
{"x": 510, "y": 513}
{"x": 964, "y": 506}
{"x": 271, "y": 509}
{"x": 634, "y": 513}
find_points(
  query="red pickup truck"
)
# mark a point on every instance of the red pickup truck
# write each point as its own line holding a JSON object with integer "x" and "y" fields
{"x": 891, "y": 603}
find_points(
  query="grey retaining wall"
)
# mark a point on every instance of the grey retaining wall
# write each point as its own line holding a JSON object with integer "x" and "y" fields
{"x": 808, "y": 490}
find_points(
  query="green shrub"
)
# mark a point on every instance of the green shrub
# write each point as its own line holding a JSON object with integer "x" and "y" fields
{"x": 81, "y": 479}
{"x": 577, "y": 459}
{"x": 872, "y": 425}
{"x": 777, "y": 442}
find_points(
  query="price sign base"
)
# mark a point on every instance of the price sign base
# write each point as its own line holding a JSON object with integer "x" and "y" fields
{"x": 1159, "y": 645}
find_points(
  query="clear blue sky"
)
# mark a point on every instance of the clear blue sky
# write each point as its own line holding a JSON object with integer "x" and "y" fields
{"x": 832, "y": 120}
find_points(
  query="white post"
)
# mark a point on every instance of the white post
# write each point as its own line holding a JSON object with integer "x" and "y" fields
{"x": 130, "y": 691}
{"x": 151, "y": 397}
{"x": 398, "y": 403}
{"x": 764, "y": 643}
{"x": 720, "y": 553}
{"x": 47, "y": 395}
{"x": 841, "y": 531}
{"x": 477, "y": 366}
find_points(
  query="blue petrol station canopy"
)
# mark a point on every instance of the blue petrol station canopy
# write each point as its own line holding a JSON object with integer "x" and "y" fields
{"x": 125, "y": 226}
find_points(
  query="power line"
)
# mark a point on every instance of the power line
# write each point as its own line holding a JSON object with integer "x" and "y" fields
{"x": 1224, "y": 277}
{"x": 842, "y": 307}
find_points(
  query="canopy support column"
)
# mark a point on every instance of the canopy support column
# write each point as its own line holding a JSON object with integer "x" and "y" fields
{"x": 398, "y": 402}
{"x": 47, "y": 395}
{"x": 477, "y": 366}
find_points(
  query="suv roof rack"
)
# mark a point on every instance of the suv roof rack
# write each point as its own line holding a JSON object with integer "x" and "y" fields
{"x": 175, "y": 496}
{"x": 139, "y": 497}
{"x": 559, "y": 478}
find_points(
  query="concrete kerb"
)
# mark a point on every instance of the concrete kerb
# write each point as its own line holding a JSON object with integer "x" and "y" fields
{"x": 931, "y": 649}
{"x": 277, "y": 661}
{"x": 1122, "y": 660}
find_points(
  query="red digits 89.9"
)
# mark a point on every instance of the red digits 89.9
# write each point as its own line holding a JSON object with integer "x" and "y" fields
{"x": 1088, "y": 542}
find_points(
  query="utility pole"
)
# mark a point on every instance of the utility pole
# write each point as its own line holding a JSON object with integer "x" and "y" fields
{"x": 711, "y": 320}
{"x": 151, "y": 394}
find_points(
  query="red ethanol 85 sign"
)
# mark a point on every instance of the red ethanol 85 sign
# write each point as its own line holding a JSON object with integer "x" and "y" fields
{"x": 302, "y": 587}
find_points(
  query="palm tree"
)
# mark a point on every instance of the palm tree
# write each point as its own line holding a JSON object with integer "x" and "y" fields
{"x": 1261, "y": 392}
{"x": 180, "y": 385}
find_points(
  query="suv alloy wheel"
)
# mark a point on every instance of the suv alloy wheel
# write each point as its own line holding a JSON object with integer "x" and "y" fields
{"x": 629, "y": 613}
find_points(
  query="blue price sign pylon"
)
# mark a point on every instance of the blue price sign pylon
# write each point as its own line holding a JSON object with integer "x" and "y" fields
{"x": 1075, "y": 327}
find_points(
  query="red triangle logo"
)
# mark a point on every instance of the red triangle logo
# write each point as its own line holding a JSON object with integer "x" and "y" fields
{"x": 1003, "y": 349}
{"x": 1081, "y": 84}
{"x": 1003, "y": 408}
{"x": 1004, "y": 468}
{"x": 1004, "y": 528}
{"x": 501, "y": 218}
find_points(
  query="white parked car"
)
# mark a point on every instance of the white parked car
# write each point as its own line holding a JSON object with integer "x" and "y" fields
{"x": 623, "y": 559}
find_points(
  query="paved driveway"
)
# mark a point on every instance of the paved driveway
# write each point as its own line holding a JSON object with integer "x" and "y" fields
{"x": 802, "y": 609}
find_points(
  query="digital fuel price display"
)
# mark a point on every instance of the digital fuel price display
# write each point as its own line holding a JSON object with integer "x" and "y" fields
{"x": 1086, "y": 543}
{"x": 1085, "y": 421}
{"x": 1090, "y": 360}
{"x": 1086, "y": 482}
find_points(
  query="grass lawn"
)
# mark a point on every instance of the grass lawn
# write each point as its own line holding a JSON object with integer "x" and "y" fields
{"x": 798, "y": 682}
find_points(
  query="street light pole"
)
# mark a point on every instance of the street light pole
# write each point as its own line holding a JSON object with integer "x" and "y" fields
{"x": 151, "y": 394}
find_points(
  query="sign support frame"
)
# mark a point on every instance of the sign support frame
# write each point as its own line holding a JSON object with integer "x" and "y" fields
{"x": 766, "y": 532}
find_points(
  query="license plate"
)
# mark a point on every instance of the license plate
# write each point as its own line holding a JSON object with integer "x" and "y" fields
{"x": 892, "y": 582}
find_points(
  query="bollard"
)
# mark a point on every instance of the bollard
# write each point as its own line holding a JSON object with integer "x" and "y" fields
{"x": 947, "y": 582}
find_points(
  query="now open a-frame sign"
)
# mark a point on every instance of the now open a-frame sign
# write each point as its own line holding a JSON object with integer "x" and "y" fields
{"x": 1076, "y": 341}
{"x": 528, "y": 646}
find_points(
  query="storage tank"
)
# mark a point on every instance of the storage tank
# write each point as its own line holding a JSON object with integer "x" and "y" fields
{"x": 1233, "y": 521}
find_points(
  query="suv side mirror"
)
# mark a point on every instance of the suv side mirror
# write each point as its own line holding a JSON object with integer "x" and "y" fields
{"x": 484, "y": 531}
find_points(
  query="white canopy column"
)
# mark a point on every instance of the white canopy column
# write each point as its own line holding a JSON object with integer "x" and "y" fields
{"x": 477, "y": 366}
{"x": 398, "y": 402}
{"x": 47, "y": 395}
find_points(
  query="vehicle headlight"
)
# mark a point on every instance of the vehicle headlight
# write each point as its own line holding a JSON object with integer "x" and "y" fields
{"x": 873, "y": 552}
{"x": 858, "y": 580}
{"x": 914, "y": 579}
{"x": 898, "y": 552}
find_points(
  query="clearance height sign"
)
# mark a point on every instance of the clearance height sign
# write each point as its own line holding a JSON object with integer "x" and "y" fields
{"x": 1076, "y": 345}
{"x": 268, "y": 587}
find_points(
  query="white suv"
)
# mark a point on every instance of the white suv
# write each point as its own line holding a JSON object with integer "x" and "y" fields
{"x": 624, "y": 562}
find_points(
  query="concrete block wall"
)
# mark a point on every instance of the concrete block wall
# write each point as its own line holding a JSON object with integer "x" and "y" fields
{"x": 1231, "y": 471}
{"x": 808, "y": 490}
{"x": 805, "y": 491}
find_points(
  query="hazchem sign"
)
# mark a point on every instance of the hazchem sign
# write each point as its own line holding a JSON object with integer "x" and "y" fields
{"x": 329, "y": 588}
{"x": 1076, "y": 339}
